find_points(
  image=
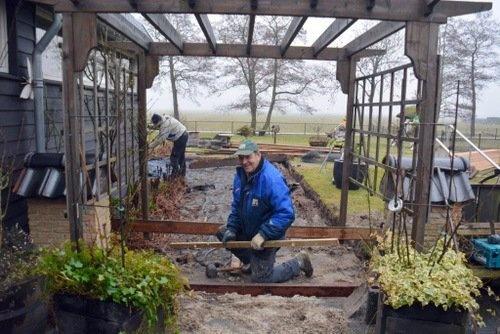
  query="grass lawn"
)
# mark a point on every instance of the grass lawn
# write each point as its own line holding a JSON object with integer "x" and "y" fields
{"x": 322, "y": 183}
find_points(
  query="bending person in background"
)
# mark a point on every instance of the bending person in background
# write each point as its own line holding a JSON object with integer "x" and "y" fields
{"x": 173, "y": 130}
{"x": 262, "y": 209}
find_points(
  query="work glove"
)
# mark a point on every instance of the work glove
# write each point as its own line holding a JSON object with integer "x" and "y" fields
{"x": 228, "y": 236}
{"x": 257, "y": 242}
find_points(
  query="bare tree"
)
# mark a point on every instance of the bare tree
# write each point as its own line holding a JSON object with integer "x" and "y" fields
{"x": 185, "y": 74}
{"x": 471, "y": 56}
{"x": 272, "y": 84}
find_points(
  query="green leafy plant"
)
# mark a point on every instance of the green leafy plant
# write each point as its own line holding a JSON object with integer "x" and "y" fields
{"x": 245, "y": 131}
{"x": 144, "y": 280}
{"x": 435, "y": 277}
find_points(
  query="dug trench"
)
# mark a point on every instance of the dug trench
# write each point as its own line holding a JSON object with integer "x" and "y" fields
{"x": 207, "y": 198}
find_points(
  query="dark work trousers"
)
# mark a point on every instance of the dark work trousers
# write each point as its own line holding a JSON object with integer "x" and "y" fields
{"x": 178, "y": 156}
{"x": 262, "y": 263}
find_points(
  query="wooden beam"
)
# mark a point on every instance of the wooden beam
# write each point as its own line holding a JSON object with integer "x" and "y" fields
{"x": 142, "y": 133}
{"x": 258, "y": 51}
{"x": 430, "y": 6}
{"x": 152, "y": 69}
{"x": 349, "y": 70}
{"x": 203, "y": 228}
{"x": 394, "y": 10}
{"x": 290, "y": 243}
{"x": 372, "y": 36}
{"x": 421, "y": 47}
{"x": 123, "y": 25}
{"x": 336, "y": 289}
{"x": 71, "y": 125}
{"x": 292, "y": 32}
{"x": 86, "y": 35}
{"x": 206, "y": 27}
{"x": 251, "y": 26}
{"x": 331, "y": 33}
{"x": 161, "y": 23}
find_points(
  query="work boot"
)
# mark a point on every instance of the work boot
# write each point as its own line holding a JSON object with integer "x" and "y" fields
{"x": 305, "y": 263}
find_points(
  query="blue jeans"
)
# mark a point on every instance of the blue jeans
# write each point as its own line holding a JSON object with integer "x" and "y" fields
{"x": 262, "y": 263}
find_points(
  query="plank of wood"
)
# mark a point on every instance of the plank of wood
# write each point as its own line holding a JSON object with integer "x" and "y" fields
{"x": 290, "y": 243}
{"x": 204, "y": 228}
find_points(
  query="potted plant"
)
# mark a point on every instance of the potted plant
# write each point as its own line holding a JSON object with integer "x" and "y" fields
{"x": 318, "y": 141}
{"x": 110, "y": 290}
{"x": 245, "y": 131}
{"x": 23, "y": 308}
{"x": 431, "y": 291}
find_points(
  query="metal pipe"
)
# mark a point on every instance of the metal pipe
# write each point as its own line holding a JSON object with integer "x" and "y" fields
{"x": 38, "y": 81}
{"x": 475, "y": 147}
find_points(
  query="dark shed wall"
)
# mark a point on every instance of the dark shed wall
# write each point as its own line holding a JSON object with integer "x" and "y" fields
{"x": 16, "y": 115}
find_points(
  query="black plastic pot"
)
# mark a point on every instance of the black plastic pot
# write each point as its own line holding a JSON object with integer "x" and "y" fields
{"x": 372, "y": 305}
{"x": 79, "y": 315}
{"x": 416, "y": 319}
{"x": 358, "y": 172}
{"x": 23, "y": 310}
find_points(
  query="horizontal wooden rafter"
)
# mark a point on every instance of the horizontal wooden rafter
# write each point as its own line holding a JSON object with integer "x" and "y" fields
{"x": 161, "y": 23}
{"x": 124, "y": 26}
{"x": 258, "y": 51}
{"x": 251, "y": 26}
{"x": 394, "y": 10}
{"x": 372, "y": 36}
{"x": 206, "y": 27}
{"x": 331, "y": 33}
{"x": 292, "y": 32}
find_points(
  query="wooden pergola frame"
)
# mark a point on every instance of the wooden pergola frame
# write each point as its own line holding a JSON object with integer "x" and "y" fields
{"x": 420, "y": 18}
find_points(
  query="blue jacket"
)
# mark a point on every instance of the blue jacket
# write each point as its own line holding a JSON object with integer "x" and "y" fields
{"x": 261, "y": 203}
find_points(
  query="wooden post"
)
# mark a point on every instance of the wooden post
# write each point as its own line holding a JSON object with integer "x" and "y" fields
{"x": 97, "y": 129}
{"x": 421, "y": 46}
{"x": 142, "y": 133}
{"x": 70, "y": 106}
{"x": 479, "y": 140}
{"x": 346, "y": 73}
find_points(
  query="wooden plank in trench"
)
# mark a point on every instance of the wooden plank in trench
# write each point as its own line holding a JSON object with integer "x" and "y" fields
{"x": 337, "y": 289}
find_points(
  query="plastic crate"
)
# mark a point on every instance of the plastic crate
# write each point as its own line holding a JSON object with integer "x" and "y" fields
{"x": 487, "y": 254}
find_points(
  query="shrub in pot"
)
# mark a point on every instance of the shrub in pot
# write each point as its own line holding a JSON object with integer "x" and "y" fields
{"x": 23, "y": 308}
{"x": 245, "y": 131}
{"x": 432, "y": 291}
{"x": 110, "y": 291}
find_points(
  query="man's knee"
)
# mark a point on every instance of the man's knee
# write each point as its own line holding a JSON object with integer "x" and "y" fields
{"x": 260, "y": 278}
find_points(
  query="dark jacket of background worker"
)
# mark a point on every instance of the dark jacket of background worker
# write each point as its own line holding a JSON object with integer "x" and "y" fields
{"x": 173, "y": 130}
{"x": 262, "y": 209}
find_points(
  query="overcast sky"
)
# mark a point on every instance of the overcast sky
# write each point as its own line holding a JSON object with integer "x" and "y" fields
{"x": 160, "y": 98}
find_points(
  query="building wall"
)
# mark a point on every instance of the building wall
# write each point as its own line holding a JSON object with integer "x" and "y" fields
{"x": 17, "y": 126}
{"x": 16, "y": 115}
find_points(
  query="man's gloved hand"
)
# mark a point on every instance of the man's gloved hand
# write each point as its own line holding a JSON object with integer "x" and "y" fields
{"x": 257, "y": 242}
{"x": 228, "y": 236}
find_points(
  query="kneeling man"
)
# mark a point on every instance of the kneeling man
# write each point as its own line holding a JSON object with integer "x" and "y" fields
{"x": 262, "y": 209}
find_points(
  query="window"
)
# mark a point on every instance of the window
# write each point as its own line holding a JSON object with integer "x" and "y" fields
{"x": 4, "y": 49}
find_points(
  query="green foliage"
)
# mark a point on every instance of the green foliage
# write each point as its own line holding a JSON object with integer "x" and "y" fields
{"x": 147, "y": 281}
{"x": 245, "y": 131}
{"x": 407, "y": 277}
